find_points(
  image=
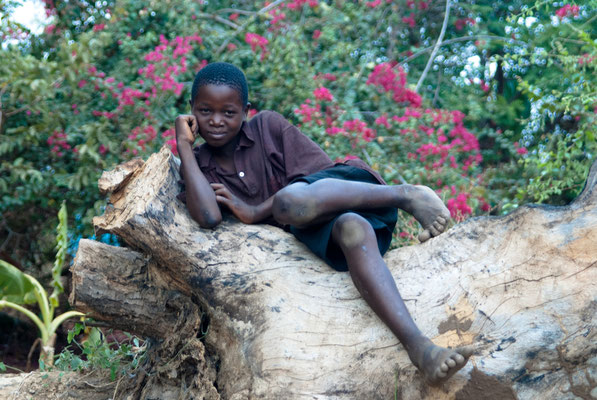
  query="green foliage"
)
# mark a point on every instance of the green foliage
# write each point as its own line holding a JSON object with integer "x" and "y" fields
{"x": 106, "y": 80}
{"x": 95, "y": 353}
{"x": 15, "y": 286}
{"x": 18, "y": 288}
{"x": 61, "y": 248}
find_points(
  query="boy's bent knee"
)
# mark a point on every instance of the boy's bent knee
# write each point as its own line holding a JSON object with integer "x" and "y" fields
{"x": 352, "y": 230}
{"x": 292, "y": 206}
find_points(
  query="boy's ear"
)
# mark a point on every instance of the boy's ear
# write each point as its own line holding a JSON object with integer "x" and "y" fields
{"x": 247, "y": 107}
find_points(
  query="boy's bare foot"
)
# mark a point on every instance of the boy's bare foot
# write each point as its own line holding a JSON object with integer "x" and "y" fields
{"x": 427, "y": 208}
{"x": 438, "y": 364}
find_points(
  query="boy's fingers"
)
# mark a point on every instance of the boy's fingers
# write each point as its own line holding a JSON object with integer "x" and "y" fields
{"x": 222, "y": 191}
{"x": 222, "y": 199}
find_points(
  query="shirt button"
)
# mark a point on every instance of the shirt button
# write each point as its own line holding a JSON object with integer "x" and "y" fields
{"x": 241, "y": 174}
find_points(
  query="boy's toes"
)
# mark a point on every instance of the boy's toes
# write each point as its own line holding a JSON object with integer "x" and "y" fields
{"x": 424, "y": 236}
{"x": 439, "y": 227}
{"x": 435, "y": 229}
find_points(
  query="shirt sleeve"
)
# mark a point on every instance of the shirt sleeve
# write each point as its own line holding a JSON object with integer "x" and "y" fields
{"x": 291, "y": 150}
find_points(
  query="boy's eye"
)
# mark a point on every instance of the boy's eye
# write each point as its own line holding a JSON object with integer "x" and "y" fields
{"x": 229, "y": 112}
{"x": 204, "y": 110}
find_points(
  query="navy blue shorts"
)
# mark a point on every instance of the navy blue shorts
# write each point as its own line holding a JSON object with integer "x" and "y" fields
{"x": 318, "y": 238}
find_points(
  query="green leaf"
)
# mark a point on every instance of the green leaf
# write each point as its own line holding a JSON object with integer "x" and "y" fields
{"x": 61, "y": 247}
{"x": 95, "y": 337}
{"x": 70, "y": 336}
{"x": 15, "y": 285}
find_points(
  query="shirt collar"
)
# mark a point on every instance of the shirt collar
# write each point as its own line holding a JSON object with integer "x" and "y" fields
{"x": 247, "y": 136}
{"x": 247, "y": 139}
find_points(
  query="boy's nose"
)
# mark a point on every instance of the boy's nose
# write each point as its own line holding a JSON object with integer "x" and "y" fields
{"x": 216, "y": 120}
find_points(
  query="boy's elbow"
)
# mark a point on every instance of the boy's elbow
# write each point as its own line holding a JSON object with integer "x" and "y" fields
{"x": 210, "y": 223}
{"x": 207, "y": 220}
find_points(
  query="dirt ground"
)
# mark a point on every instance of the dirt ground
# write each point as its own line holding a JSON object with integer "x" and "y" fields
{"x": 55, "y": 386}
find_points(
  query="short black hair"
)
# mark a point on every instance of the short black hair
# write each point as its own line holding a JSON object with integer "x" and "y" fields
{"x": 221, "y": 73}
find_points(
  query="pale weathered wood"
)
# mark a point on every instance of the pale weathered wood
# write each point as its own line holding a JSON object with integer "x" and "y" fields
{"x": 134, "y": 295}
{"x": 284, "y": 325}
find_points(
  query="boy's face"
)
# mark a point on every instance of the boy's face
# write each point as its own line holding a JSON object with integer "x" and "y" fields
{"x": 219, "y": 112}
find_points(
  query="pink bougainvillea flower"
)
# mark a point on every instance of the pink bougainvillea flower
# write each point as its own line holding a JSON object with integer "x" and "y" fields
{"x": 459, "y": 24}
{"x": 567, "y": 11}
{"x": 360, "y": 127}
{"x": 254, "y": 40}
{"x": 277, "y": 17}
{"x": 384, "y": 75}
{"x": 383, "y": 120}
{"x": 298, "y": 4}
{"x": 585, "y": 59}
{"x": 58, "y": 142}
{"x": 99, "y": 27}
{"x": 316, "y": 34}
{"x": 459, "y": 207}
{"x": 323, "y": 93}
{"x": 410, "y": 20}
{"x": 307, "y": 111}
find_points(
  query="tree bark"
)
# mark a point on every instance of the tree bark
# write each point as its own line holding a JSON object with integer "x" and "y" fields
{"x": 282, "y": 324}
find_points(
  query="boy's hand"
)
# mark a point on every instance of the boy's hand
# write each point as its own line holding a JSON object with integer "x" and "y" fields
{"x": 186, "y": 129}
{"x": 244, "y": 212}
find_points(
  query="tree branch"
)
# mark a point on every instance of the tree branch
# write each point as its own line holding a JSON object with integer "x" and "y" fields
{"x": 436, "y": 47}
{"x": 247, "y": 22}
{"x": 218, "y": 19}
{"x": 236, "y": 11}
{"x": 460, "y": 39}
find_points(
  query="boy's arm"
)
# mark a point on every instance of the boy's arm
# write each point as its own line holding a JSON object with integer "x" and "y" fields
{"x": 201, "y": 199}
{"x": 244, "y": 212}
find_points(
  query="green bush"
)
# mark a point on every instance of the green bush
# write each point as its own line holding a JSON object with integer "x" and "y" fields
{"x": 504, "y": 115}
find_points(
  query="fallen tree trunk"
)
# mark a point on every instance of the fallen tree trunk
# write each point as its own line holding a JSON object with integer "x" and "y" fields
{"x": 282, "y": 324}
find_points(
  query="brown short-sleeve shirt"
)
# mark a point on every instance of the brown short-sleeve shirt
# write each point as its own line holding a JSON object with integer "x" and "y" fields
{"x": 271, "y": 152}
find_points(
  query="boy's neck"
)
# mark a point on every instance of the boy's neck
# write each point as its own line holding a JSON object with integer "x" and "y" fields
{"x": 224, "y": 155}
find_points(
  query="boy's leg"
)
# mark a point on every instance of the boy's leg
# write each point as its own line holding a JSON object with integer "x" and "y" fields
{"x": 302, "y": 204}
{"x": 371, "y": 276}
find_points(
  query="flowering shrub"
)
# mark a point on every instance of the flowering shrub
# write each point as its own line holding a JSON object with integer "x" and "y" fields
{"x": 404, "y": 142}
{"x": 103, "y": 84}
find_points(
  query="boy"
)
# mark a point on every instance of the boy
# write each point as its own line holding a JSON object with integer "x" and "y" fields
{"x": 266, "y": 170}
